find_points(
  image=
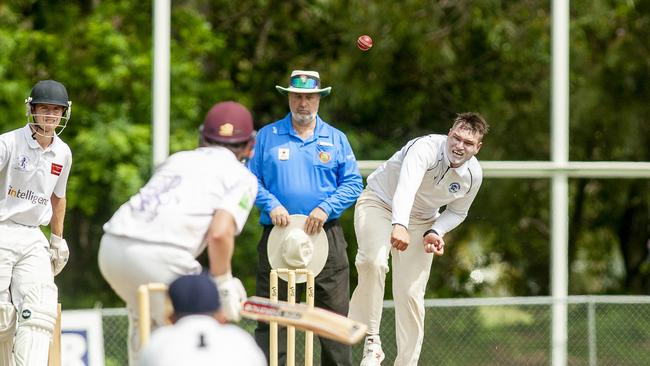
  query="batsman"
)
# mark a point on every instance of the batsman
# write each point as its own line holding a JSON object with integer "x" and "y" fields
{"x": 195, "y": 200}
{"x": 34, "y": 168}
{"x": 399, "y": 214}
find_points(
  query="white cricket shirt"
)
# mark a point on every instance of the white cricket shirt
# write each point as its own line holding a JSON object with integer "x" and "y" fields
{"x": 418, "y": 180}
{"x": 177, "y": 204}
{"x": 200, "y": 340}
{"x": 29, "y": 175}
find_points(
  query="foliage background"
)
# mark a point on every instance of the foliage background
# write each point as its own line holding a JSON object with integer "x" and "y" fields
{"x": 431, "y": 60}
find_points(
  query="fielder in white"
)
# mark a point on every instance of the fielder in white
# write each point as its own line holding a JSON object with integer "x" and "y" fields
{"x": 399, "y": 214}
{"x": 34, "y": 168}
{"x": 195, "y": 199}
{"x": 200, "y": 335}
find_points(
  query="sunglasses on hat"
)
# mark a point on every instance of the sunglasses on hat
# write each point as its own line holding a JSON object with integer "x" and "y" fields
{"x": 304, "y": 82}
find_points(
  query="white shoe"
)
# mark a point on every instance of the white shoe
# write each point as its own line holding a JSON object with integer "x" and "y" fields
{"x": 372, "y": 353}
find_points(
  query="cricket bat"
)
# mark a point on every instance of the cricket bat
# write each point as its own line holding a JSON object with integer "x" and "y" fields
{"x": 320, "y": 321}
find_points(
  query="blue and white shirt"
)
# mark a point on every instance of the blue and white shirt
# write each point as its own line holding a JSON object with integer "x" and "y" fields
{"x": 301, "y": 175}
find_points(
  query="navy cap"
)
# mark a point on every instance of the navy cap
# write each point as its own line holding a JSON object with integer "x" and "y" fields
{"x": 194, "y": 294}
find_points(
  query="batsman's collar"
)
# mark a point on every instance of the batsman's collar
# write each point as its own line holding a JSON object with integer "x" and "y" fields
{"x": 290, "y": 247}
{"x": 302, "y": 81}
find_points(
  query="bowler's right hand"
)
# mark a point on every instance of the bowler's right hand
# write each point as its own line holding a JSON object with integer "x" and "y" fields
{"x": 279, "y": 216}
{"x": 433, "y": 243}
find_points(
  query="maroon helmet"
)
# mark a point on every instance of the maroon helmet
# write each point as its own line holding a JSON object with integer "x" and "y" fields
{"x": 228, "y": 123}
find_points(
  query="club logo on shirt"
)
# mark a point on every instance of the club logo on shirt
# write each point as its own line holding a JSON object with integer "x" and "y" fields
{"x": 26, "y": 314}
{"x": 324, "y": 157}
{"x": 56, "y": 169}
{"x": 454, "y": 187}
{"x": 22, "y": 162}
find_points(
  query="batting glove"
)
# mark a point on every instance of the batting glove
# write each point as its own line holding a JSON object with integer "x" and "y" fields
{"x": 231, "y": 294}
{"x": 59, "y": 253}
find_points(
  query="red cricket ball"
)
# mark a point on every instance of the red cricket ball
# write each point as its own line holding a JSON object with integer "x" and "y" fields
{"x": 364, "y": 42}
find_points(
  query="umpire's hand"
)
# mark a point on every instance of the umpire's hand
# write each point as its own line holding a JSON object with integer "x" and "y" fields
{"x": 279, "y": 216}
{"x": 315, "y": 221}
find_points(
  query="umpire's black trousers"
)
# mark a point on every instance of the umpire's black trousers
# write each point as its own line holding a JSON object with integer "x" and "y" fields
{"x": 332, "y": 293}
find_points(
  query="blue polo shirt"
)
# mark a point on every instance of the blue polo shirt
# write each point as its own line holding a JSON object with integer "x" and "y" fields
{"x": 301, "y": 175}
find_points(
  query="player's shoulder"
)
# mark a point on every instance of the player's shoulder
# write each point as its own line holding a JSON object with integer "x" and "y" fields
{"x": 328, "y": 128}
{"x": 198, "y": 156}
{"x": 235, "y": 330}
{"x": 272, "y": 128}
{"x": 63, "y": 148}
{"x": 425, "y": 145}
{"x": 238, "y": 336}
{"x": 475, "y": 167}
{"x": 427, "y": 140}
{"x": 434, "y": 138}
{"x": 10, "y": 137}
{"x": 245, "y": 174}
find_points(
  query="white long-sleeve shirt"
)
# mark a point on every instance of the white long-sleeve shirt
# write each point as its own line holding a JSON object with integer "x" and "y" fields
{"x": 418, "y": 180}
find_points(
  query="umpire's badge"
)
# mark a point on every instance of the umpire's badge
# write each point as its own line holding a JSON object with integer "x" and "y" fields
{"x": 26, "y": 314}
{"x": 283, "y": 153}
{"x": 324, "y": 157}
{"x": 454, "y": 187}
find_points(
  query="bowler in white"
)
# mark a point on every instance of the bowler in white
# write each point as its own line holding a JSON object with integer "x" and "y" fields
{"x": 399, "y": 214}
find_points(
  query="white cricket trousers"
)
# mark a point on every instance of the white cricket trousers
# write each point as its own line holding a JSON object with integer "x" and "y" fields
{"x": 128, "y": 263}
{"x": 28, "y": 295}
{"x": 372, "y": 224}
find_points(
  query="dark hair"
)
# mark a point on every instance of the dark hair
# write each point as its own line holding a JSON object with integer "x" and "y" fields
{"x": 238, "y": 145}
{"x": 472, "y": 121}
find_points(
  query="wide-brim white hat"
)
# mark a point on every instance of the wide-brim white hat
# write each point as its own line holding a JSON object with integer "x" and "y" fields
{"x": 290, "y": 247}
{"x": 302, "y": 81}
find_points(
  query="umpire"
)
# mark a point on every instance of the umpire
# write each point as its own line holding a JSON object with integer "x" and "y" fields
{"x": 305, "y": 166}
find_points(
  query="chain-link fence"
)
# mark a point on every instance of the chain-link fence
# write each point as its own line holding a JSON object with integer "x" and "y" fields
{"x": 602, "y": 330}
